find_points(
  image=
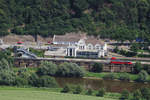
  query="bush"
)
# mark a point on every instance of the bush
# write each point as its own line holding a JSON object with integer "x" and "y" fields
{"x": 47, "y": 81}
{"x": 33, "y": 79}
{"x": 124, "y": 95}
{"x": 21, "y": 81}
{"x": 7, "y": 77}
{"x": 47, "y": 68}
{"x": 78, "y": 90}
{"x": 97, "y": 67}
{"x": 109, "y": 76}
{"x": 66, "y": 89}
{"x": 70, "y": 70}
{"x": 89, "y": 92}
{"x": 101, "y": 92}
{"x": 143, "y": 76}
{"x": 124, "y": 77}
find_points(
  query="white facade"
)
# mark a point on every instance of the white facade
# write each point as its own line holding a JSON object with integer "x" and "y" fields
{"x": 83, "y": 47}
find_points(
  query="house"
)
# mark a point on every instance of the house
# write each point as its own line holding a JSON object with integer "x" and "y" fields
{"x": 80, "y": 45}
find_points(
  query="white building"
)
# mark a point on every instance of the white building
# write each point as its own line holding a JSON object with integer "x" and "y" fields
{"x": 80, "y": 45}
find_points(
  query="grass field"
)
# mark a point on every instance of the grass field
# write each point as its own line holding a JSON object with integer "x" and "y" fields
{"x": 11, "y": 93}
{"x": 117, "y": 75}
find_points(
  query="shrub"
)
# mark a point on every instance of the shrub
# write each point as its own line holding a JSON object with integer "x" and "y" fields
{"x": 78, "y": 90}
{"x": 142, "y": 76}
{"x": 47, "y": 81}
{"x": 21, "y": 81}
{"x": 66, "y": 89}
{"x": 109, "y": 76}
{"x": 33, "y": 79}
{"x": 47, "y": 68}
{"x": 101, "y": 92}
{"x": 124, "y": 95}
{"x": 89, "y": 92}
{"x": 7, "y": 77}
{"x": 124, "y": 77}
{"x": 97, "y": 67}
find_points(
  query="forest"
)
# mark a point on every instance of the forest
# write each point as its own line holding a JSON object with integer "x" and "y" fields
{"x": 114, "y": 19}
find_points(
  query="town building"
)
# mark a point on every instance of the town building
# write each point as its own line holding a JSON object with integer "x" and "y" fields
{"x": 81, "y": 45}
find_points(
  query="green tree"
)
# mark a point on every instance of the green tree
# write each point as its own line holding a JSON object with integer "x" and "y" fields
{"x": 97, "y": 67}
{"x": 143, "y": 76}
{"x": 47, "y": 68}
{"x": 137, "y": 67}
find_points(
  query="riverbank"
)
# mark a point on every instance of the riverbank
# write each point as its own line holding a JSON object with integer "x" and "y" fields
{"x": 17, "y": 93}
{"x": 119, "y": 76}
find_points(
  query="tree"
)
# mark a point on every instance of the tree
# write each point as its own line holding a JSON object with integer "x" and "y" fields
{"x": 143, "y": 76}
{"x": 137, "y": 67}
{"x": 47, "y": 68}
{"x": 97, "y": 67}
{"x": 70, "y": 70}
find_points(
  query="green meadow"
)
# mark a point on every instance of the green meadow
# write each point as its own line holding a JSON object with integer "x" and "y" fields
{"x": 12, "y": 93}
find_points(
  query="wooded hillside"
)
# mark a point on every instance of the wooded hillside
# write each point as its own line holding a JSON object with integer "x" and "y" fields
{"x": 116, "y": 19}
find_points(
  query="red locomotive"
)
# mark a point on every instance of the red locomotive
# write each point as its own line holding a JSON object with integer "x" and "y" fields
{"x": 113, "y": 60}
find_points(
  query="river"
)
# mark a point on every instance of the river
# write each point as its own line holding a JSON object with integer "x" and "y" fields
{"x": 110, "y": 85}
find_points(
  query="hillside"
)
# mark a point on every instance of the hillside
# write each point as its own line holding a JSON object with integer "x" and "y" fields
{"x": 115, "y": 19}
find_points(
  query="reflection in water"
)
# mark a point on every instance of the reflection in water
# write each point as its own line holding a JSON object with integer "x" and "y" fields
{"x": 111, "y": 86}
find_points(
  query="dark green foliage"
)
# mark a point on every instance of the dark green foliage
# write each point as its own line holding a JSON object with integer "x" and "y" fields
{"x": 78, "y": 90}
{"x": 7, "y": 75}
{"x": 33, "y": 79}
{"x": 47, "y": 68}
{"x": 70, "y": 70}
{"x": 66, "y": 89}
{"x": 101, "y": 92}
{"x": 124, "y": 95}
{"x": 97, "y": 67}
{"x": 142, "y": 76}
{"x": 21, "y": 81}
{"x": 47, "y": 81}
{"x": 119, "y": 20}
{"x": 137, "y": 67}
{"x": 89, "y": 92}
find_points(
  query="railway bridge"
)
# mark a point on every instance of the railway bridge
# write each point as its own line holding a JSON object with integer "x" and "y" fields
{"x": 86, "y": 63}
